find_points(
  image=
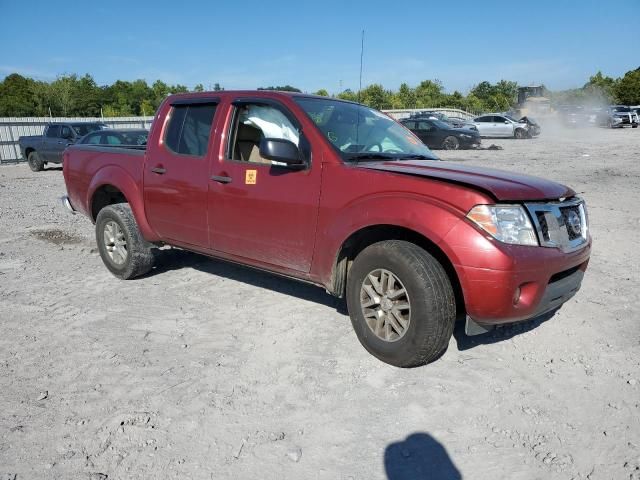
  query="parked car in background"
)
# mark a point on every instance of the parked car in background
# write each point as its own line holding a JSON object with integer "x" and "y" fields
{"x": 500, "y": 125}
{"x": 339, "y": 195}
{"x": 124, "y": 137}
{"x": 437, "y": 134}
{"x": 617, "y": 116}
{"x": 534, "y": 127}
{"x": 573, "y": 115}
{"x": 39, "y": 150}
{"x": 456, "y": 122}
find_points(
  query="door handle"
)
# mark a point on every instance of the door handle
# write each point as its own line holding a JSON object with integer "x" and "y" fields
{"x": 221, "y": 179}
{"x": 159, "y": 170}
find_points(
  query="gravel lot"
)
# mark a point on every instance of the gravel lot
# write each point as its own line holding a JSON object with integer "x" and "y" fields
{"x": 207, "y": 370}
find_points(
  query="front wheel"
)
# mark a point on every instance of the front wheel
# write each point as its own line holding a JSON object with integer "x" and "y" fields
{"x": 401, "y": 303}
{"x": 35, "y": 162}
{"x": 520, "y": 133}
{"x": 451, "y": 143}
{"x": 123, "y": 250}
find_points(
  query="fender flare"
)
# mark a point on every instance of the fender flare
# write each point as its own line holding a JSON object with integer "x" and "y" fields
{"x": 119, "y": 178}
{"x": 411, "y": 212}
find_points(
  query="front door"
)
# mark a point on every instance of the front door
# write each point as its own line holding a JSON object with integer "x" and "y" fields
{"x": 176, "y": 180}
{"x": 259, "y": 210}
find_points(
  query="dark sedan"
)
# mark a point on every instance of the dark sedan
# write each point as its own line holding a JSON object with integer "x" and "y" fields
{"x": 438, "y": 134}
{"x": 124, "y": 137}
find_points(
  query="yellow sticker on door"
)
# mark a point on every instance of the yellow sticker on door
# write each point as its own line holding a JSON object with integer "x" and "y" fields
{"x": 250, "y": 177}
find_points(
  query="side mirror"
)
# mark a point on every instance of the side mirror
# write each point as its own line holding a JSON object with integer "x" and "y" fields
{"x": 507, "y": 122}
{"x": 280, "y": 150}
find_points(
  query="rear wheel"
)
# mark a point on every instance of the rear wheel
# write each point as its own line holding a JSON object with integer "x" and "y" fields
{"x": 401, "y": 303}
{"x": 35, "y": 162}
{"x": 123, "y": 250}
{"x": 451, "y": 143}
{"x": 520, "y": 133}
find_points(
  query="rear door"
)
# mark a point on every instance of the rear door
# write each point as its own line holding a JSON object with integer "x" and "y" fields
{"x": 176, "y": 180}
{"x": 50, "y": 142}
{"x": 428, "y": 134}
{"x": 484, "y": 125}
{"x": 259, "y": 210}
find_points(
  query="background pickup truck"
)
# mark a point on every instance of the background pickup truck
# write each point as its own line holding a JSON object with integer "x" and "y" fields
{"x": 341, "y": 196}
{"x": 39, "y": 150}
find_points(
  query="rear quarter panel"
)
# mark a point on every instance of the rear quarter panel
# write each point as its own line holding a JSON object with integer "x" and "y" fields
{"x": 87, "y": 168}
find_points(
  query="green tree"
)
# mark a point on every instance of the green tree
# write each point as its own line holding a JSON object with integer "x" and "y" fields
{"x": 285, "y": 88}
{"x": 16, "y": 98}
{"x": 627, "y": 90}
{"x": 405, "y": 97}
{"x": 376, "y": 96}
{"x": 601, "y": 87}
{"x": 322, "y": 92}
{"x": 198, "y": 88}
{"x": 429, "y": 93}
{"x": 348, "y": 94}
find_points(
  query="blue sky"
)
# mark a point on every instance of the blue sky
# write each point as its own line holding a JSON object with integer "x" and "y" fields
{"x": 247, "y": 44}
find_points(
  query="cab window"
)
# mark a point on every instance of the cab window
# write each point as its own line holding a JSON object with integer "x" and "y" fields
{"x": 189, "y": 129}
{"x": 253, "y": 122}
{"x": 93, "y": 139}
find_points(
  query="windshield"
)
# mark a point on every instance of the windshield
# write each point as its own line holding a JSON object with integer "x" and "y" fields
{"x": 509, "y": 117}
{"x": 83, "y": 128}
{"x": 357, "y": 131}
{"x": 621, "y": 109}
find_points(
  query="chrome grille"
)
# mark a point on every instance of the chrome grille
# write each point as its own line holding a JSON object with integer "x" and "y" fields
{"x": 560, "y": 225}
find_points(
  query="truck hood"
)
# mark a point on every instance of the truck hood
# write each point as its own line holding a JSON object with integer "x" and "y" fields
{"x": 502, "y": 185}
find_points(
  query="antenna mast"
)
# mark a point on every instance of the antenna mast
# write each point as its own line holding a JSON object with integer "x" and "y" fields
{"x": 361, "y": 57}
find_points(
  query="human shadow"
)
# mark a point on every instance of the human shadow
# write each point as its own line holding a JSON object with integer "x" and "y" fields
{"x": 498, "y": 334}
{"x": 419, "y": 456}
{"x": 176, "y": 259}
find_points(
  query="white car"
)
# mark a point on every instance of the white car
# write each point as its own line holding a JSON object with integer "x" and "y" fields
{"x": 499, "y": 125}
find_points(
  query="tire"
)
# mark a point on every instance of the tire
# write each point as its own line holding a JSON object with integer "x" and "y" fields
{"x": 428, "y": 322}
{"x": 451, "y": 143}
{"x": 634, "y": 126}
{"x": 126, "y": 254}
{"x": 35, "y": 162}
{"x": 520, "y": 133}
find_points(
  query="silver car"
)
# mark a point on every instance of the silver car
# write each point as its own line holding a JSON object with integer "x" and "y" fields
{"x": 499, "y": 125}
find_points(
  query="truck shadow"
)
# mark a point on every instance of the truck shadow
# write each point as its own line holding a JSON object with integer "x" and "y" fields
{"x": 176, "y": 259}
{"x": 498, "y": 334}
{"x": 419, "y": 456}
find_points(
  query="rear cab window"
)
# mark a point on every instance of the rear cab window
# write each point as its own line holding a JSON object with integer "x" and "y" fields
{"x": 53, "y": 131}
{"x": 189, "y": 128}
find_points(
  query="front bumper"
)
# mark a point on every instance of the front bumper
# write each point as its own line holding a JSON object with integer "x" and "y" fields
{"x": 509, "y": 283}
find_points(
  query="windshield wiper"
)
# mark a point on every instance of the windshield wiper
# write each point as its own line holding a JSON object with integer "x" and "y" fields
{"x": 372, "y": 156}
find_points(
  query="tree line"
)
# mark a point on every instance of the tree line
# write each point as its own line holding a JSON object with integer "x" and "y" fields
{"x": 76, "y": 96}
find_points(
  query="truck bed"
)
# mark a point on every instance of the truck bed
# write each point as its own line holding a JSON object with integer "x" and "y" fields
{"x": 89, "y": 166}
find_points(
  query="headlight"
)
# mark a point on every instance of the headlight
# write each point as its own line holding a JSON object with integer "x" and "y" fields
{"x": 507, "y": 223}
{"x": 464, "y": 135}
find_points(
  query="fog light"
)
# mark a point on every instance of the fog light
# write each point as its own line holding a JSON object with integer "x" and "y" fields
{"x": 516, "y": 296}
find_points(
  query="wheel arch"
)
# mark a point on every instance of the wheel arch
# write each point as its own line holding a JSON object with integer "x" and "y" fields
{"x": 363, "y": 237}
{"x": 113, "y": 185}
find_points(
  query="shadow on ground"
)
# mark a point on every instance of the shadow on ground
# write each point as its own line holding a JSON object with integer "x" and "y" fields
{"x": 176, "y": 259}
{"x": 419, "y": 456}
{"x": 499, "y": 334}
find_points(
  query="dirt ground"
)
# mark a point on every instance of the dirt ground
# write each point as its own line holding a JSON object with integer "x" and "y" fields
{"x": 207, "y": 370}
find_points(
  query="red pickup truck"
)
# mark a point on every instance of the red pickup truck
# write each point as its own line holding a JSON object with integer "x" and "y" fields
{"x": 339, "y": 195}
